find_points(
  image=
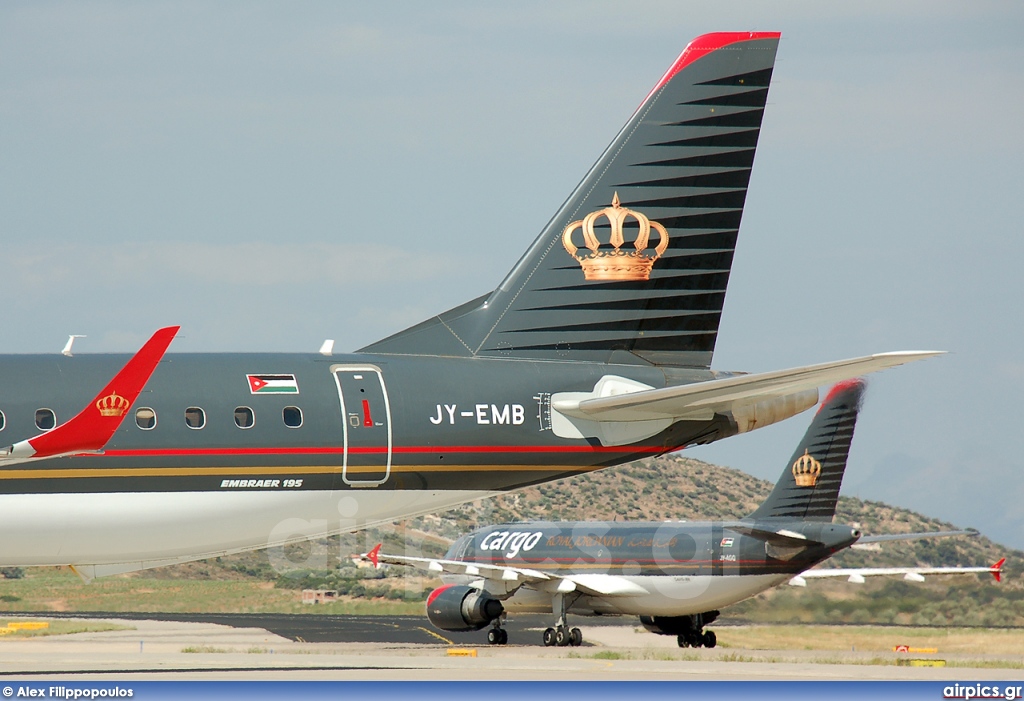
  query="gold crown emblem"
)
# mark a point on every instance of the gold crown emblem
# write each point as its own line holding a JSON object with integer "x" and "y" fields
{"x": 113, "y": 405}
{"x": 806, "y": 470}
{"x": 616, "y": 264}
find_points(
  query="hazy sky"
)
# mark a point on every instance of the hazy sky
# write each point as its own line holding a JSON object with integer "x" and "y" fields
{"x": 268, "y": 175}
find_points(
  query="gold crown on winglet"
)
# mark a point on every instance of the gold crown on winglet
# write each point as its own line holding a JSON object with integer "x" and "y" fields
{"x": 112, "y": 405}
{"x": 806, "y": 470}
{"x": 616, "y": 264}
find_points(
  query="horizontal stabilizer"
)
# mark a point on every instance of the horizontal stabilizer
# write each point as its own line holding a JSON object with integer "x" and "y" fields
{"x": 969, "y": 532}
{"x": 782, "y": 538}
{"x": 701, "y": 400}
{"x": 914, "y": 574}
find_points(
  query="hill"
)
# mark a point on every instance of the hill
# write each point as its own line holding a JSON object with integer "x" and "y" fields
{"x": 665, "y": 488}
{"x": 678, "y": 488}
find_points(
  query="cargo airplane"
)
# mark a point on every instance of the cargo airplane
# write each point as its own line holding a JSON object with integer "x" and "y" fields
{"x": 673, "y": 575}
{"x": 593, "y": 351}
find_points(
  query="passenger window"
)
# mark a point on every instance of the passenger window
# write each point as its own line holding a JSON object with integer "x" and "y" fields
{"x": 45, "y": 419}
{"x": 195, "y": 417}
{"x": 145, "y": 418}
{"x": 244, "y": 417}
{"x": 3, "y": 421}
{"x": 292, "y": 416}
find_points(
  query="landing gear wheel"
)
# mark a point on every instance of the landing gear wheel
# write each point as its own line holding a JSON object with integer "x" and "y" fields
{"x": 681, "y": 639}
{"x": 562, "y": 636}
{"x": 549, "y": 637}
{"x": 710, "y": 639}
{"x": 504, "y": 637}
{"x": 497, "y": 636}
{"x": 575, "y": 637}
{"x": 694, "y": 639}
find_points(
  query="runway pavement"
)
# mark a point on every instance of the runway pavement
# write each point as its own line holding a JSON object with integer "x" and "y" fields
{"x": 162, "y": 649}
{"x": 315, "y": 628}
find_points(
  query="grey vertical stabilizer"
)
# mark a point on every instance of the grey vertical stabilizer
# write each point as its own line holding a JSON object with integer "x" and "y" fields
{"x": 634, "y": 266}
{"x": 809, "y": 487}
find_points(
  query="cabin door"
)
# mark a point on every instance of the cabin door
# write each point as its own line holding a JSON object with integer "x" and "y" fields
{"x": 367, "y": 425}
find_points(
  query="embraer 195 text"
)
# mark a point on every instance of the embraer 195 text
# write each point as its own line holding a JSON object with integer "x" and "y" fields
{"x": 594, "y": 350}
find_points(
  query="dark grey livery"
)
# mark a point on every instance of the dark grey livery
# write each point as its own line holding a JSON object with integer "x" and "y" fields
{"x": 683, "y": 160}
{"x": 595, "y": 350}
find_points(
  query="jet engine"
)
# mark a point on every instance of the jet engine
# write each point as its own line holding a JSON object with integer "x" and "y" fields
{"x": 460, "y": 608}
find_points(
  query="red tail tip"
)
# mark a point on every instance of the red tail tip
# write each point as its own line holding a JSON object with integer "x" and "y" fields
{"x": 997, "y": 570}
{"x": 841, "y": 387}
{"x": 373, "y": 555}
{"x": 705, "y": 44}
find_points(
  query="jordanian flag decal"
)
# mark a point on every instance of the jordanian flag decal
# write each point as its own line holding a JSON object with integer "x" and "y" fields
{"x": 272, "y": 384}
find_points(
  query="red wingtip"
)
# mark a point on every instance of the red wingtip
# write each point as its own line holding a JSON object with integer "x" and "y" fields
{"x": 997, "y": 570}
{"x": 374, "y": 554}
{"x": 92, "y": 427}
{"x": 705, "y": 44}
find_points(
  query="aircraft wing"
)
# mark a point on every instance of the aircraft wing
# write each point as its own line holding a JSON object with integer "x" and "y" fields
{"x": 605, "y": 585}
{"x": 91, "y": 428}
{"x": 591, "y": 584}
{"x": 701, "y": 400}
{"x": 913, "y": 574}
{"x": 440, "y": 565}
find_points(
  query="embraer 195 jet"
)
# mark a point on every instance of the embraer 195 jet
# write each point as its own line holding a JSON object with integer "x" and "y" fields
{"x": 594, "y": 350}
{"x": 674, "y": 575}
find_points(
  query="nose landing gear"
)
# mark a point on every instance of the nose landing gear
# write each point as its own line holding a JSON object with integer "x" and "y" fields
{"x": 497, "y": 635}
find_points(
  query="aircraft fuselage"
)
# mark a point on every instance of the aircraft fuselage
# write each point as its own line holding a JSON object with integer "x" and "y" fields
{"x": 208, "y": 461}
{"x": 655, "y": 569}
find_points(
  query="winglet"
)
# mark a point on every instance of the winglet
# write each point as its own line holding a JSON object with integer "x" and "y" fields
{"x": 91, "y": 428}
{"x": 373, "y": 555}
{"x": 997, "y": 570}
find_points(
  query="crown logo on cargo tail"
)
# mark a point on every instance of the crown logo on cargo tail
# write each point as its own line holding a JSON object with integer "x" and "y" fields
{"x": 616, "y": 264}
{"x": 113, "y": 405}
{"x": 806, "y": 470}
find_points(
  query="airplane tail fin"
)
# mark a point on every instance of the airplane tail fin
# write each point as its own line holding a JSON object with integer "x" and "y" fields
{"x": 633, "y": 267}
{"x": 92, "y": 427}
{"x": 809, "y": 487}
{"x": 997, "y": 570}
